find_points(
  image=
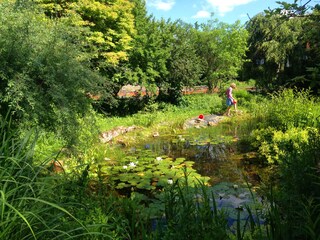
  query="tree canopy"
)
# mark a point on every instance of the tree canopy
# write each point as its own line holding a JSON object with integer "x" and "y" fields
{"x": 283, "y": 47}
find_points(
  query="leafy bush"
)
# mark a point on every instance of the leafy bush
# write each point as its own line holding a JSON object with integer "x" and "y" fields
{"x": 274, "y": 145}
{"x": 243, "y": 97}
{"x": 295, "y": 196}
{"x": 288, "y": 108}
{"x": 44, "y": 76}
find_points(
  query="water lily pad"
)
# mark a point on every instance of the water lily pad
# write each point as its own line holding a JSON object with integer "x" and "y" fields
{"x": 133, "y": 182}
{"x": 145, "y": 184}
{"x": 139, "y": 169}
{"x": 163, "y": 182}
{"x": 122, "y": 185}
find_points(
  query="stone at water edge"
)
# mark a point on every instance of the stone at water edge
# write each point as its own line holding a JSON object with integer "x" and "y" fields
{"x": 207, "y": 120}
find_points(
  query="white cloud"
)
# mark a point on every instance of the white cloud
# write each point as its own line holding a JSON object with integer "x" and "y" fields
{"x": 224, "y": 6}
{"x": 202, "y": 14}
{"x": 164, "y": 5}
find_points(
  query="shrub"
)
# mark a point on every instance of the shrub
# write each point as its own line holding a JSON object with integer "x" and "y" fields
{"x": 288, "y": 108}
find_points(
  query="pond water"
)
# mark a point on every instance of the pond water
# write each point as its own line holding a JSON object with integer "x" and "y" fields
{"x": 215, "y": 151}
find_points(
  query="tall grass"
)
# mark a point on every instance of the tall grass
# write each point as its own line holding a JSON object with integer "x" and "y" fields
{"x": 29, "y": 207}
{"x": 286, "y": 109}
{"x": 191, "y": 213}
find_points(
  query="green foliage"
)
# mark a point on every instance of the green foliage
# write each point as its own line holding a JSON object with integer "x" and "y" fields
{"x": 310, "y": 219}
{"x": 112, "y": 27}
{"x": 274, "y": 145}
{"x": 288, "y": 108}
{"x": 43, "y": 77}
{"x": 243, "y": 97}
{"x": 110, "y": 22}
{"x": 190, "y": 210}
{"x": 222, "y": 49}
{"x": 288, "y": 138}
{"x": 282, "y": 47}
{"x": 184, "y": 64}
{"x": 148, "y": 173}
{"x": 30, "y": 209}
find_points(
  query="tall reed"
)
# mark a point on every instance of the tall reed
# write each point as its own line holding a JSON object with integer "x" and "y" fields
{"x": 29, "y": 209}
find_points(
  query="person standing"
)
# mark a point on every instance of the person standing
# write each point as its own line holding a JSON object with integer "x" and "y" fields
{"x": 230, "y": 100}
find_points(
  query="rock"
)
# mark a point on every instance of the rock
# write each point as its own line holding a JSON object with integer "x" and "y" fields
{"x": 208, "y": 120}
{"x": 108, "y": 136}
{"x": 156, "y": 134}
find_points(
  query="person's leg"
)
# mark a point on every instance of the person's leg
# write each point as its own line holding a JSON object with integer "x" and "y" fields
{"x": 229, "y": 104}
{"x": 228, "y": 111}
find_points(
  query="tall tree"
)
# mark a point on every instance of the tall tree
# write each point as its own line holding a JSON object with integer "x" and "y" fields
{"x": 184, "y": 65}
{"x": 222, "y": 48}
{"x": 280, "y": 46}
{"x": 108, "y": 27}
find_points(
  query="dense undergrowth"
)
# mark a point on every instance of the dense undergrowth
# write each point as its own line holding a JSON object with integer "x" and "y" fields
{"x": 40, "y": 201}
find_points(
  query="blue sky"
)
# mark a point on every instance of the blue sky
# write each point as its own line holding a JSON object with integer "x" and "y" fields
{"x": 228, "y": 11}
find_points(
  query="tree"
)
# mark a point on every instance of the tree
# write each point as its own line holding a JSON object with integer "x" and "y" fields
{"x": 222, "y": 48}
{"x": 280, "y": 41}
{"x": 184, "y": 65}
{"x": 43, "y": 75}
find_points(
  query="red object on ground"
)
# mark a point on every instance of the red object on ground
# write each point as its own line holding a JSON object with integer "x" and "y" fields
{"x": 201, "y": 116}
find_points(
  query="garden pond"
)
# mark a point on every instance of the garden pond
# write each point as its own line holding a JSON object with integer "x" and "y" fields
{"x": 212, "y": 155}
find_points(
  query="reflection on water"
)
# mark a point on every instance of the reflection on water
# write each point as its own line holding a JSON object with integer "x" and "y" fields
{"x": 214, "y": 150}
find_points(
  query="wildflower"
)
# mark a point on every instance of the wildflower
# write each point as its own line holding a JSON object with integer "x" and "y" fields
{"x": 125, "y": 167}
{"x": 159, "y": 158}
{"x": 170, "y": 181}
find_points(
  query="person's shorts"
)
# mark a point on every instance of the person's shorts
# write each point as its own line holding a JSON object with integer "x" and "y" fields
{"x": 229, "y": 102}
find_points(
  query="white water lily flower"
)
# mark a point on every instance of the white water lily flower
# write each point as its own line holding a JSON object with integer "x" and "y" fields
{"x": 159, "y": 158}
{"x": 125, "y": 167}
{"x": 170, "y": 181}
{"x": 132, "y": 164}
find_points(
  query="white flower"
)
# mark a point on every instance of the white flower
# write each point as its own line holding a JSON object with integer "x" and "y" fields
{"x": 125, "y": 167}
{"x": 159, "y": 158}
{"x": 132, "y": 164}
{"x": 170, "y": 181}
{"x": 107, "y": 159}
